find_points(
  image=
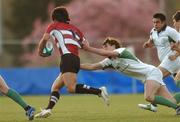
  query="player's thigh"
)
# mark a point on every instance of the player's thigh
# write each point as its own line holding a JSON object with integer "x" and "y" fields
{"x": 151, "y": 87}
{"x": 3, "y": 86}
{"x": 169, "y": 67}
{"x": 70, "y": 65}
{"x": 57, "y": 84}
{"x": 163, "y": 91}
{"x": 177, "y": 77}
{"x": 69, "y": 79}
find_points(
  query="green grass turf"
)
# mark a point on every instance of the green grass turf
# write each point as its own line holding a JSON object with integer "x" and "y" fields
{"x": 89, "y": 108}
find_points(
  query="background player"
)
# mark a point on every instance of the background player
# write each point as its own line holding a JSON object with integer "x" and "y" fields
{"x": 161, "y": 37}
{"x": 164, "y": 38}
{"x": 176, "y": 47}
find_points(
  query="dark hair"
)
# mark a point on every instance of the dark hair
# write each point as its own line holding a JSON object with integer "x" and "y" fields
{"x": 160, "y": 16}
{"x": 112, "y": 41}
{"x": 60, "y": 14}
{"x": 176, "y": 16}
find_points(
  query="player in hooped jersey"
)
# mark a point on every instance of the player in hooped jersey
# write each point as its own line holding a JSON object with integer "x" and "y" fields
{"x": 120, "y": 59}
{"x": 68, "y": 39}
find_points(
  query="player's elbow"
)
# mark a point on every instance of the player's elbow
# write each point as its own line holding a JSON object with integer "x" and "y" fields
{"x": 87, "y": 66}
{"x": 91, "y": 67}
{"x": 39, "y": 52}
{"x": 107, "y": 54}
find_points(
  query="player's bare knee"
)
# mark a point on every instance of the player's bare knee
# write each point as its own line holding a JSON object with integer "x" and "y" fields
{"x": 174, "y": 101}
{"x": 71, "y": 89}
{"x": 3, "y": 90}
{"x": 3, "y": 87}
{"x": 54, "y": 88}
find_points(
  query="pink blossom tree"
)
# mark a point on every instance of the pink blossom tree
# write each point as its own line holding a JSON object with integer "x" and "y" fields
{"x": 101, "y": 18}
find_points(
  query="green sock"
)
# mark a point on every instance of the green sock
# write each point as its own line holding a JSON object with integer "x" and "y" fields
{"x": 178, "y": 83}
{"x": 177, "y": 97}
{"x": 16, "y": 97}
{"x": 163, "y": 101}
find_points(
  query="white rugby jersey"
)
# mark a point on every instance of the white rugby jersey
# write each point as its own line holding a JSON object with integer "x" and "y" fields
{"x": 163, "y": 39}
{"x": 128, "y": 64}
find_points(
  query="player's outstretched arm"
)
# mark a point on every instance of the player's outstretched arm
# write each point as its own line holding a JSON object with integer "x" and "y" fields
{"x": 89, "y": 66}
{"x": 42, "y": 44}
{"x": 101, "y": 52}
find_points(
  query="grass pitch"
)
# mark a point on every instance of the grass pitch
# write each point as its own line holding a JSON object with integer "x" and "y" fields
{"x": 123, "y": 108}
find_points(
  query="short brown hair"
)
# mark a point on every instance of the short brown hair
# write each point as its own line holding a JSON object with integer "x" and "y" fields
{"x": 176, "y": 16}
{"x": 60, "y": 14}
{"x": 112, "y": 41}
{"x": 160, "y": 16}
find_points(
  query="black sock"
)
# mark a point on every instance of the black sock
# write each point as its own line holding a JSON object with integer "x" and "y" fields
{"x": 154, "y": 104}
{"x": 53, "y": 99}
{"x": 27, "y": 108}
{"x": 84, "y": 89}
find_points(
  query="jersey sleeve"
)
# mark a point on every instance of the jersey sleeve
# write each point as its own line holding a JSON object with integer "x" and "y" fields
{"x": 105, "y": 63}
{"x": 119, "y": 50}
{"x": 173, "y": 34}
{"x": 81, "y": 36}
{"x": 55, "y": 34}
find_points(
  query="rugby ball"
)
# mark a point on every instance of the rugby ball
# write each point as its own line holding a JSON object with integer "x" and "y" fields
{"x": 48, "y": 49}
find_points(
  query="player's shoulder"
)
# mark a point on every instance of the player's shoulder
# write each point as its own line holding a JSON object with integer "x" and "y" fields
{"x": 152, "y": 31}
{"x": 52, "y": 24}
{"x": 59, "y": 25}
{"x": 77, "y": 30}
{"x": 120, "y": 50}
{"x": 50, "y": 27}
{"x": 169, "y": 29}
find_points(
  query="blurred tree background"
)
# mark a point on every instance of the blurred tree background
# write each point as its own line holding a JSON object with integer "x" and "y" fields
{"x": 24, "y": 21}
{"x": 23, "y": 14}
{"x": 170, "y": 7}
{"x": 18, "y": 19}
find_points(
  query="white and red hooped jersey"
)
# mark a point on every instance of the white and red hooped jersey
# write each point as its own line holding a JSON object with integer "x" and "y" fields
{"x": 68, "y": 38}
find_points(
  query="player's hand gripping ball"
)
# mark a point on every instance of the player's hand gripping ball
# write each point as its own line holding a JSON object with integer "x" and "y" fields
{"x": 48, "y": 50}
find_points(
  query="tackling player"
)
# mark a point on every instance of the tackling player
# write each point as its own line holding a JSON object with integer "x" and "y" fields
{"x": 120, "y": 59}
